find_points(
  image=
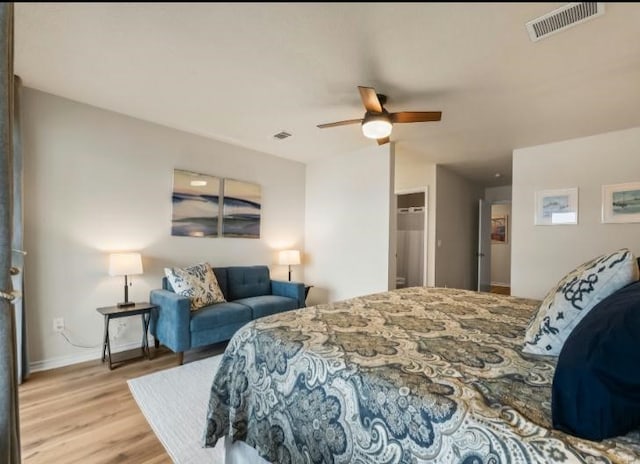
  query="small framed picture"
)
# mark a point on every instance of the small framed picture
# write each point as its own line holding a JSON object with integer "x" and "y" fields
{"x": 556, "y": 207}
{"x": 499, "y": 232}
{"x": 621, "y": 202}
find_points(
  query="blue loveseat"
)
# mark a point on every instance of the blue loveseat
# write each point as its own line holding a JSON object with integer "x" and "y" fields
{"x": 250, "y": 294}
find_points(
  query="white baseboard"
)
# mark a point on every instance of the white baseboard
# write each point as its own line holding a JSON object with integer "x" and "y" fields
{"x": 89, "y": 355}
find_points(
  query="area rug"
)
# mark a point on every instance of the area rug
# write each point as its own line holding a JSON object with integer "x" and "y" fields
{"x": 174, "y": 402}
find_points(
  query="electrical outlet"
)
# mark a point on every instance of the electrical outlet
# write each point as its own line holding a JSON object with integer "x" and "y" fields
{"x": 58, "y": 324}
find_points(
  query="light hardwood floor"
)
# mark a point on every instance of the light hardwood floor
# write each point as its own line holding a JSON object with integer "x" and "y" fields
{"x": 85, "y": 414}
{"x": 501, "y": 290}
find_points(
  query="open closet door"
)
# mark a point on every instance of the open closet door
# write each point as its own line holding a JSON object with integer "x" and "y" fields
{"x": 484, "y": 246}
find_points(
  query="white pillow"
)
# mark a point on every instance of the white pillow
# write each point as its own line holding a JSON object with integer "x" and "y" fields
{"x": 198, "y": 283}
{"x": 574, "y": 296}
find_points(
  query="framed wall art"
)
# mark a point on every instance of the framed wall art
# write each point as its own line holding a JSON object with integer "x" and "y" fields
{"x": 241, "y": 209}
{"x": 195, "y": 201}
{"x": 499, "y": 232}
{"x": 621, "y": 202}
{"x": 556, "y": 207}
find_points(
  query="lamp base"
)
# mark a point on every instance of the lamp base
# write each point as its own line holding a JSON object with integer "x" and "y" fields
{"x": 125, "y": 304}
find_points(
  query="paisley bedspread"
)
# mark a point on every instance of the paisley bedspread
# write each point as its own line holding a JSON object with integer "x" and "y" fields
{"x": 408, "y": 376}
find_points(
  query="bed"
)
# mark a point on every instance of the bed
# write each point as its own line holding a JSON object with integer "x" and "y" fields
{"x": 410, "y": 375}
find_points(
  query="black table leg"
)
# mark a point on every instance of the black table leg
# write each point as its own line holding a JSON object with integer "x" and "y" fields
{"x": 105, "y": 338}
{"x": 144, "y": 353}
{"x": 108, "y": 341}
{"x": 146, "y": 317}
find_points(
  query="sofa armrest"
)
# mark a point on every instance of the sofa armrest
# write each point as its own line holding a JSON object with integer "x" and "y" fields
{"x": 170, "y": 323}
{"x": 293, "y": 290}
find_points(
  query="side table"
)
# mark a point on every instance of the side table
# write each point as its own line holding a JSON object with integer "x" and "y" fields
{"x": 114, "y": 312}
{"x": 306, "y": 291}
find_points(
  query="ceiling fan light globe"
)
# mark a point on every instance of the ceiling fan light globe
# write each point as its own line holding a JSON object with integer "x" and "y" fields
{"x": 376, "y": 128}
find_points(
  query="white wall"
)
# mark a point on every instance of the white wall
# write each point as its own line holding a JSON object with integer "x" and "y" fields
{"x": 541, "y": 255}
{"x": 501, "y": 252}
{"x": 498, "y": 194}
{"x": 413, "y": 172}
{"x": 347, "y": 227}
{"x": 97, "y": 181}
{"x": 456, "y": 230}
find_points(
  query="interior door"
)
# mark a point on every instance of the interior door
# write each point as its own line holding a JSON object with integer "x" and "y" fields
{"x": 484, "y": 246}
{"x": 420, "y": 246}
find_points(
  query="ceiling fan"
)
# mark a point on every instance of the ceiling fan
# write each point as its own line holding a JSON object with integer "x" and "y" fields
{"x": 377, "y": 121}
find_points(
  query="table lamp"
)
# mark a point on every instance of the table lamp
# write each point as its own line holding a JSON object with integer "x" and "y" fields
{"x": 125, "y": 264}
{"x": 289, "y": 257}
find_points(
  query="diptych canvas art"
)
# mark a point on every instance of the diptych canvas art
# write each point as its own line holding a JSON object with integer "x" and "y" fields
{"x": 207, "y": 206}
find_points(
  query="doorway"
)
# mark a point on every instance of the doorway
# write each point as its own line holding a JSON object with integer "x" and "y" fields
{"x": 494, "y": 247}
{"x": 411, "y": 227}
{"x": 501, "y": 248}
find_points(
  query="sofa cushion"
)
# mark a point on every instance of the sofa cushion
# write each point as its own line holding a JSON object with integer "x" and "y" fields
{"x": 221, "y": 277}
{"x": 574, "y": 296}
{"x": 248, "y": 281}
{"x": 215, "y": 335}
{"x": 218, "y": 315}
{"x": 198, "y": 283}
{"x": 266, "y": 305}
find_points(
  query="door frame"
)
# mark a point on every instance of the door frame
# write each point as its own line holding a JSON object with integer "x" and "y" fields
{"x": 510, "y": 232}
{"x": 425, "y": 262}
{"x": 487, "y": 256}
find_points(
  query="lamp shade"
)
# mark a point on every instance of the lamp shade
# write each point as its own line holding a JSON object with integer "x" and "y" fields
{"x": 289, "y": 257}
{"x": 125, "y": 264}
{"x": 376, "y": 126}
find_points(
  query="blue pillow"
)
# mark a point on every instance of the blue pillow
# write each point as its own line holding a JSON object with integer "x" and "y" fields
{"x": 596, "y": 385}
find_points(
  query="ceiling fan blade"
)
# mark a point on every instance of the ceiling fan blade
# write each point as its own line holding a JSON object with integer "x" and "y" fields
{"x": 383, "y": 141}
{"x": 416, "y": 116}
{"x": 339, "y": 123}
{"x": 370, "y": 99}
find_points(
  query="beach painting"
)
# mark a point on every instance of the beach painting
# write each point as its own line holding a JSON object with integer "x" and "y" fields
{"x": 626, "y": 202}
{"x": 241, "y": 209}
{"x": 621, "y": 202}
{"x": 195, "y": 204}
{"x": 556, "y": 207}
{"x": 554, "y": 204}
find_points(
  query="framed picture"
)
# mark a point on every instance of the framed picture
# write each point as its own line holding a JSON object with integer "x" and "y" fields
{"x": 621, "y": 202}
{"x": 195, "y": 204}
{"x": 499, "y": 232}
{"x": 556, "y": 207}
{"x": 241, "y": 209}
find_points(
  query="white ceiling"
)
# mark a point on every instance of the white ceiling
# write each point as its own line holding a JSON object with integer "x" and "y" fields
{"x": 243, "y": 72}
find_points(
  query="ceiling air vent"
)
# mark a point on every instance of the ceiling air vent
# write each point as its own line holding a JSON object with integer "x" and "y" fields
{"x": 563, "y": 18}
{"x": 282, "y": 135}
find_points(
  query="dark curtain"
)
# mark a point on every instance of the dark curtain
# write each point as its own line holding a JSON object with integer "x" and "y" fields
{"x": 9, "y": 426}
{"x": 17, "y": 245}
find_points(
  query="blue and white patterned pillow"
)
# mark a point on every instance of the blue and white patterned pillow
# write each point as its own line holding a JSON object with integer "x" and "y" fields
{"x": 198, "y": 283}
{"x": 574, "y": 296}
